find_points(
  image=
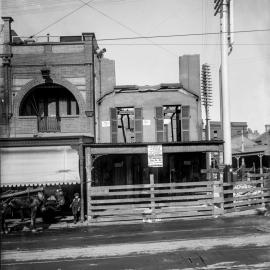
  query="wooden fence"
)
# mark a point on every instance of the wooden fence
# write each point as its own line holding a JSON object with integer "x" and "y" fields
{"x": 151, "y": 201}
{"x": 177, "y": 200}
{"x": 251, "y": 193}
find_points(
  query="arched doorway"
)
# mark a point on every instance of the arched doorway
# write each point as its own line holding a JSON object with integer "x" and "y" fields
{"x": 49, "y": 102}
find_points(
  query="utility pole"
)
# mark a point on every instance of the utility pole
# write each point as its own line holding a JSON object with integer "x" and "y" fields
{"x": 206, "y": 87}
{"x": 206, "y": 94}
{"x": 223, "y": 7}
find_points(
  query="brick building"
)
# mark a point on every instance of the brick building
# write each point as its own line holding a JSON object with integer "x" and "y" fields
{"x": 59, "y": 97}
{"x": 49, "y": 85}
{"x": 236, "y": 129}
{"x": 47, "y": 106}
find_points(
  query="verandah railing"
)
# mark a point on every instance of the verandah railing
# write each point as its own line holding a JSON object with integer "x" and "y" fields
{"x": 49, "y": 124}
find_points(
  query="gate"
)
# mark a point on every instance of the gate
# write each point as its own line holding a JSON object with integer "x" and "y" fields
{"x": 251, "y": 193}
{"x": 151, "y": 201}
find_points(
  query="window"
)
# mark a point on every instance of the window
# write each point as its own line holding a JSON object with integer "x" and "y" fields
{"x": 172, "y": 123}
{"x": 49, "y": 100}
{"x": 126, "y": 125}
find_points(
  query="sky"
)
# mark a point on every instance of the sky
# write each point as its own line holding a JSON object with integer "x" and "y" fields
{"x": 153, "y": 61}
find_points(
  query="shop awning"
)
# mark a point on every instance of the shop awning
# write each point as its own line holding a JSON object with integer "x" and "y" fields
{"x": 42, "y": 165}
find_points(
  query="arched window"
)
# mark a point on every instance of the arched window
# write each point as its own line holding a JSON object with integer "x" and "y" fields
{"x": 49, "y": 100}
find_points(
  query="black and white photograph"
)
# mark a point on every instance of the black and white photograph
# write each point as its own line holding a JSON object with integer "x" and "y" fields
{"x": 135, "y": 134}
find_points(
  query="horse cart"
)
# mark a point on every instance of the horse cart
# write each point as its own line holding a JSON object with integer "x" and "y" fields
{"x": 47, "y": 201}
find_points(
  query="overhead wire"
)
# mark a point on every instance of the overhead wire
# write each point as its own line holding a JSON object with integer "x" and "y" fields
{"x": 178, "y": 44}
{"x": 125, "y": 26}
{"x": 185, "y": 44}
{"x": 63, "y": 17}
{"x": 184, "y": 35}
{"x": 175, "y": 35}
{"x": 49, "y": 3}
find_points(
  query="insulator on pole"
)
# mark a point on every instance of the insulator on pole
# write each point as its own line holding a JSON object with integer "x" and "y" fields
{"x": 206, "y": 88}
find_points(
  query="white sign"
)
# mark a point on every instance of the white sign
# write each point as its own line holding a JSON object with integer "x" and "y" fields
{"x": 105, "y": 123}
{"x": 155, "y": 157}
{"x": 167, "y": 121}
{"x": 146, "y": 122}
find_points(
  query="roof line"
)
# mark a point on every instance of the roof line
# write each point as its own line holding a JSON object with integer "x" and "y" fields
{"x": 136, "y": 88}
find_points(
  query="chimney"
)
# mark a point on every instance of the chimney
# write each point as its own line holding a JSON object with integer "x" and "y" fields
{"x": 267, "y": 128}
{"x": 7, "y": 29}
{"x": 189, "y": 72}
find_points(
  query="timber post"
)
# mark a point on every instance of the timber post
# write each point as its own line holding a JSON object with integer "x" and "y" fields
{"x": 218, "y": 196}
{"x": 152, "y": 189}
{"x": 89, "y": 167}
{"x": 82, "y": 174}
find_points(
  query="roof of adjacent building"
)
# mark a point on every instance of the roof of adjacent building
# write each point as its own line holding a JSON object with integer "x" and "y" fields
{"x": 233, "y": 124}
{"x": 263, "y": 138}
{"x": 249, "y": 146}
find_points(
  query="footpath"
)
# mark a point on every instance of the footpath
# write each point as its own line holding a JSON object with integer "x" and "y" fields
{"x": 66, "y": 222}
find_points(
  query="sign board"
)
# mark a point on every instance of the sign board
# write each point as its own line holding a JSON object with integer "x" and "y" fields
{"x": 155, "y": 157}
{"x": 167, "y": 121}
{"x": 99, "y": 190}
{"x": 221, "y": 166}
{"x": 146, "y": 122}
{"x": 105, "y": 123}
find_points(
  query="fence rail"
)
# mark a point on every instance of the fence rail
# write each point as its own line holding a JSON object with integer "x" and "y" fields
{"x": 177, "y": 200}
{"x": 170, "y": 200}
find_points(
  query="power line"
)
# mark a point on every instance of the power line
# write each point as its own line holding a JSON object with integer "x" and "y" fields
{"x": 60, "y": 19}
{"x": 125, "y": 26}
{"x": 183, "y": 35}
{"x": 185, "y": 44}
{"x": 49, "y": 3}
{"x": 175, "y": 44}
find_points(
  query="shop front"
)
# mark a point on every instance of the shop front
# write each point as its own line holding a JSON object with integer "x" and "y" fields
{"x": 52, "y": 163}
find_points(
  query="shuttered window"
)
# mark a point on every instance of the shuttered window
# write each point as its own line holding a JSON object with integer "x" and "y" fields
{"x": 138, "y": 127}
{"x": 114, "y": 124}
{"x": 185, "y": 123}
{"x": 159, "y": 124}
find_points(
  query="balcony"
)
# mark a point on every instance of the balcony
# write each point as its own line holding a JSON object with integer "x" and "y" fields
{"x": 49, "y": 124}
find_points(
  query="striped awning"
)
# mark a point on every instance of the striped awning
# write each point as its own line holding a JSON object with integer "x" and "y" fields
{"x": 34, "y": 166}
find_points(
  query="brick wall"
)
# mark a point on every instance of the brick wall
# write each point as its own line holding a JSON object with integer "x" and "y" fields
{"x": 66, "y": 62}
{"x": 23, "y": 125}
{"x": 107, "y": 76}
{"x": 26, "y": 126}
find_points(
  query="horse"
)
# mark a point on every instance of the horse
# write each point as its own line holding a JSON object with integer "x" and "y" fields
{"x": 52, "y": 201}
{"x": 4, "y": 212}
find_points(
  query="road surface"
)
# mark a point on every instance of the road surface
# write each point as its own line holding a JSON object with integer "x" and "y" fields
{"x": 221, "y": 243}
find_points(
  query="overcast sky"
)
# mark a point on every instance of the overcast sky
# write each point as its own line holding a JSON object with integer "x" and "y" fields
{"x": 142, "y": 62}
